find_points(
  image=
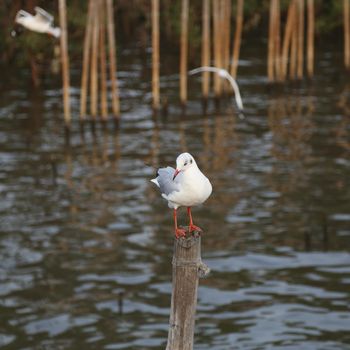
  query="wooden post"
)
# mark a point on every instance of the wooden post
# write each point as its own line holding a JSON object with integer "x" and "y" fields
{"x": 86, "y": 59}
{"x": 155, "y": 54}
{"x": 206, "y": 47}
{"x": 65, "y": 62}
{"x": 103, "y": 63}
{"x": 238, "y": 36}
{"x": 310, "y": 37}
{"x": 112, "y": 60}
{"x": 187, "y": 268}
{"x": 94, "y": 61}
{"x": 346, "y": 34}
{"x": 184, "y": 51}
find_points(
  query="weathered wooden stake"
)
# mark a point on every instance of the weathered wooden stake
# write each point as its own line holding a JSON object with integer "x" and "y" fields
{"x": 346, "y": 34}
{"x": 86, "y": 59}
{"x": 183, "y": 51}
{"x": 310, "y": 37}
{"x": 238, "y": 37}
{"x": 187, "y": 268}
{"x": 206, "y": 47}
{"x": 155, "y": 54}
{"x": 65, "y": 62}
{"x": 112, "y": 59}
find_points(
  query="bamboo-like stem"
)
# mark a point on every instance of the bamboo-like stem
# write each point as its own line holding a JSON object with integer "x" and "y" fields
{"x": 86, "y": 59}
{"x": 271, "y": 43}
{"x": 294, "y": 43}
{"x": 217, "y": 44}
{"x": 94, "y": 62}
{"x": 238, "y": 38}
{"x": 277, "y": 38}
{"x": 300, "y": 68}
{"x": 287, "y": 39}
{"x": 112, "y": 59}
{"x": 226, "y": 29}
{"x": 103, "y": 65}
{"x": 184, "y": 51}
{"x": 65, "y": 62}
{"x": 346, "y": 9}
{"x": 206, "y": 47}
{"x": 155, "y": 54}
{"x": 310, "y": 36}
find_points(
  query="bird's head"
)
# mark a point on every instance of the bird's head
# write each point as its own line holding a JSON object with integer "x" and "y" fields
{"x": 184, "y": 162}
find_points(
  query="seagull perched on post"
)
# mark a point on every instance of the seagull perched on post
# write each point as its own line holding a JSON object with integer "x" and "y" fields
{"x": 185, "y": 186}
{"x": 41, "y": 22}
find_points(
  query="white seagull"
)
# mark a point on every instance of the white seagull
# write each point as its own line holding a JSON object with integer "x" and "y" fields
{"x": 223, "y": 73}
{"x": 184, "y": 186}
{"x": 41, "y": 22}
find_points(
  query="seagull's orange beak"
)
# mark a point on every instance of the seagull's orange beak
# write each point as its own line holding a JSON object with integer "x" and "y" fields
{"x": 176, "y": 173}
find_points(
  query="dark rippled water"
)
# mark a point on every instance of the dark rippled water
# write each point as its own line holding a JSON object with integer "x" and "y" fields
{"x": 86, "y": 241}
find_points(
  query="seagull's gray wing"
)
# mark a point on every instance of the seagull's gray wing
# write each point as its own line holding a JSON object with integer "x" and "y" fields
{"x": 42, "y": 15}
{"x": 165, "y": 182}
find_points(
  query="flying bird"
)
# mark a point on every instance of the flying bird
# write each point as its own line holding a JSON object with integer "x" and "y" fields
{"x": 41, "y": 22}
{"x": 185, "y": 186}
{"x": 223, "y": 73}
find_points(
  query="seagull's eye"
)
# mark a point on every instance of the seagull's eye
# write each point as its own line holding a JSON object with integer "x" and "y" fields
{"x": 185, "y": 163}
{"x": 191, "y": 161}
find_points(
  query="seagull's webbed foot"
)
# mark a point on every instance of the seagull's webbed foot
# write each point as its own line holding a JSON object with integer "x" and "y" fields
{"x": 179, "y": 232}
{"x": 192, "y": 228}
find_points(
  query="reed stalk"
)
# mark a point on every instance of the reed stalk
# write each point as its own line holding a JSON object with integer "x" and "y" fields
{"x": 346, "y": 8}
{"x": 86, "y": 59}
{"x": 155, "y": 54}
{"x": 184, "y": 51}
{"x": 65, "y": 62}
{"x": 277, "y": 39}
{"x": 217, "y": 44}
{"x": 294, "y": 43}
{"x": 103, "y": 62}
{"x": 238, "y": 38}
{"x": 310, "y": 37}
{"x": 94, "y": 62}
{"x": 112, "y": 59}
{"x": 206, "y": 47}
{"x": 271, "y": 43}
{"x": 300, "y": 69}
{"x": 287, "y": 39}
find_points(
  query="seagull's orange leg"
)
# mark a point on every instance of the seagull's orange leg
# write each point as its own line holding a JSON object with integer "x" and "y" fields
{"x": 179, "y": 232}
{"x": 192, "y": 227}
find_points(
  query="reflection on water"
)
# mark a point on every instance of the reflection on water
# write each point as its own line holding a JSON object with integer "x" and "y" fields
{"x": 86, "y": 241}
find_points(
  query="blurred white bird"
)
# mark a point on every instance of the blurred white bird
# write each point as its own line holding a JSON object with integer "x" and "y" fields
{"x": 184, "y": 186}
{"x": 41, "y": 22}
{"x": 223, "y": 73}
